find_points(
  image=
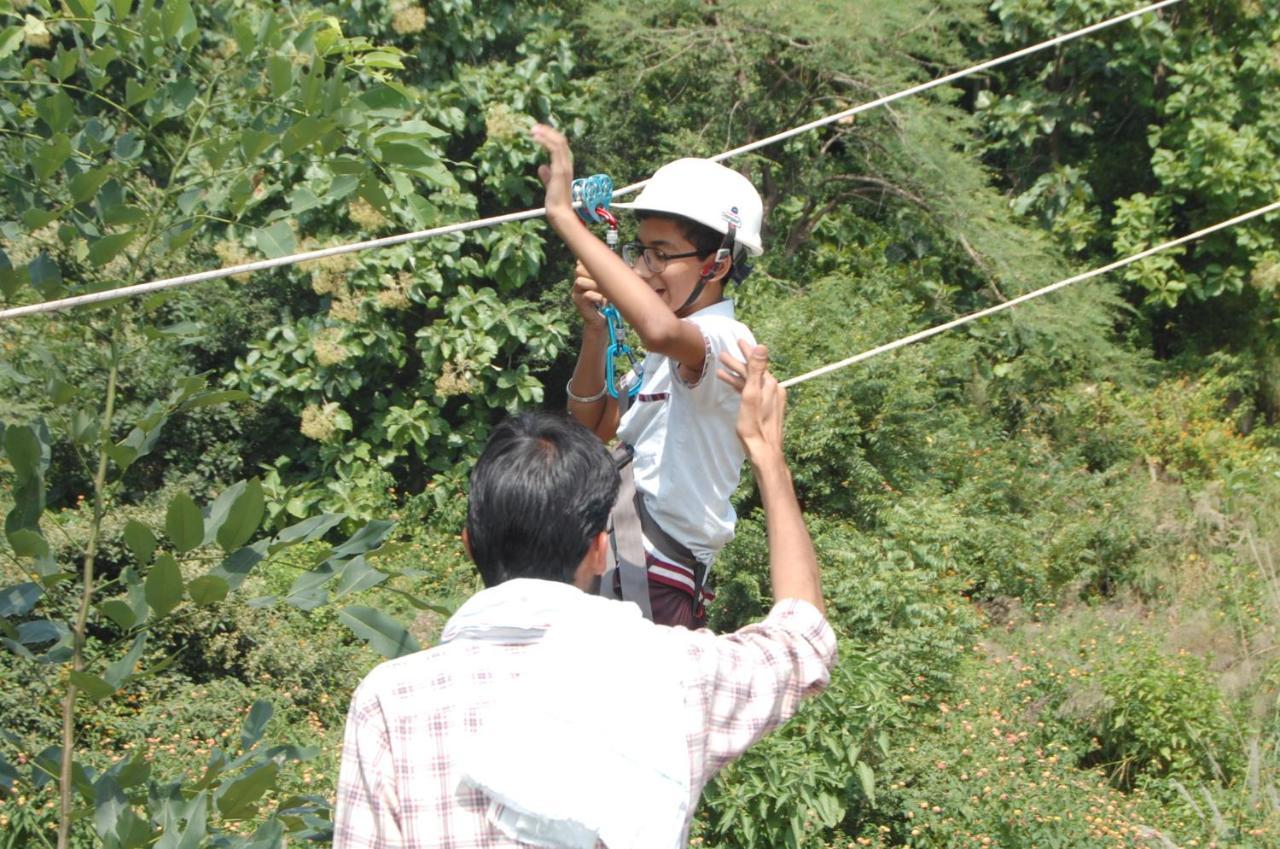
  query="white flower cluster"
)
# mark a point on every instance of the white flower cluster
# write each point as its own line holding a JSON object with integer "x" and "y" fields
{"x": 395, "y": 291}
{"x": 328, "y": 347}
{"x": 455, "y": 379}
{"x": 504, "y": 124}
{"x": 365, "y": 216}
{"x": 320, "y": 422}
{"x": 407, "y": 18}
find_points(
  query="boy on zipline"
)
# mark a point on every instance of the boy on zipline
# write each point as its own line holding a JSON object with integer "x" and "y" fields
{"x": 697, "y": 221}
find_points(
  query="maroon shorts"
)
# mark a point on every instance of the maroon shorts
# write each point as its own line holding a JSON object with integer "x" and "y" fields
{"x": 671, "y": 605}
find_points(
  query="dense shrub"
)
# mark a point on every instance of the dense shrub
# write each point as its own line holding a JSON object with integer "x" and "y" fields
{"x": 974, "y": 772}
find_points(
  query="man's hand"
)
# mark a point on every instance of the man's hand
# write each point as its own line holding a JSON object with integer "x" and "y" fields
{"x": 764, "y": 402}
{"x": 793, "y": 565}
{"x": 588, "y": 298}
{"x": 558, "y": 176}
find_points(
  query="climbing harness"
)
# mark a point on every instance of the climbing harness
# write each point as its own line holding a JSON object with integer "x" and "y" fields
{"x": 626, "y": 576}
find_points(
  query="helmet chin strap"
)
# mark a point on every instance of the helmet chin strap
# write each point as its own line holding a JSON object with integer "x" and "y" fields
{"x": 724, "y": 252}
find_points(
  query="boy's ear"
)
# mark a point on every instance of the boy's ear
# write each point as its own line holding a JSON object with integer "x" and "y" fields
{"x": 466, "y": 544}
{"x": 722, "y": 273}
{"x": 721, "y": 270}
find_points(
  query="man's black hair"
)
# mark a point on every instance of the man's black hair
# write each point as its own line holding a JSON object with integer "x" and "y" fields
{"x": 540, "y": 493}
{"x": 705, "y": 240}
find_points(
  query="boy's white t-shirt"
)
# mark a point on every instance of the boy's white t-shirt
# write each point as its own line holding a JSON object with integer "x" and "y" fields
{"x": 688, "y": 458}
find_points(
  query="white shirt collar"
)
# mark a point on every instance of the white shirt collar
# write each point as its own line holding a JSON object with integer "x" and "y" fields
{"x": 723, "y": 307}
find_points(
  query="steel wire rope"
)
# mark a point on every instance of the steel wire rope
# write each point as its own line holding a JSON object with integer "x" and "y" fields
{"x": 1021, "y": 299}
{"x": 420, "y": 235}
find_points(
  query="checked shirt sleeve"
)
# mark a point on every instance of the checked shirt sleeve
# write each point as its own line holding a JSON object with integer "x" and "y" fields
{"x": 753, "y": 679}
{"x": 367, "y": 813}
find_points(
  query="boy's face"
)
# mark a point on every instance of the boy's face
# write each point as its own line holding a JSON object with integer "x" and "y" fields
{"x": 679, "y": 276}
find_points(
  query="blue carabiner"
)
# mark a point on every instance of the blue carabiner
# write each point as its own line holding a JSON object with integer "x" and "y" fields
{"x": 593, "y": 195}
{"x": 619, "y": 348}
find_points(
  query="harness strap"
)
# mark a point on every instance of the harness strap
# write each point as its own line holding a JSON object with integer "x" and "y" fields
{"x": 626, "y": 550}
{"x": 709, "y": 270}
{"x": 626, "y": 577}
{"x": 666, "y": 543}
{"x": 674, "y": 551}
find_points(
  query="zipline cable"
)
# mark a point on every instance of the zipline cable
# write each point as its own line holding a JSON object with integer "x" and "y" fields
{"x": 419, "y": 235}
{"x": 262, "y": 265}
{"x": 1021, "y": 299}
{"x": 952, "y": 77}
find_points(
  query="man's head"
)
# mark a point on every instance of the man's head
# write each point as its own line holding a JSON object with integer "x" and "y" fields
{"x": 540, "y": 498}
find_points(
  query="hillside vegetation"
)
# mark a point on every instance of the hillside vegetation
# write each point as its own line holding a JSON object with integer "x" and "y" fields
{"x": 1050, "y": 540}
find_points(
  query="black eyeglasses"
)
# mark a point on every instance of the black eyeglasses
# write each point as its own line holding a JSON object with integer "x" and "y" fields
{"x": 655, "y": 259}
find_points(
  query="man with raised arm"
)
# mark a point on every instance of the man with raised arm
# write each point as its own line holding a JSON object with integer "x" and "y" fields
{"x": 533, "y": 722}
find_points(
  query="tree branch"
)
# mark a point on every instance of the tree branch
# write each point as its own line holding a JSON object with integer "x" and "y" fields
{"x": 86, "y": 599}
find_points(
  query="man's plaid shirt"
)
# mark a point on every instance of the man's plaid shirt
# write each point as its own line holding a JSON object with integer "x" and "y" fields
{"x": 398, "y": 787}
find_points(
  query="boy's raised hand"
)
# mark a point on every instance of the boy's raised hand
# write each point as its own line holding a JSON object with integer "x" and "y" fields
{"x": 558, "y": 179}
{"x": 558, "y": 176}
{"x": 764, "y": 401}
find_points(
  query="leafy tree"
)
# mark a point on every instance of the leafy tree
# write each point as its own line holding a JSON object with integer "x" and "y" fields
{"x": 1190, "y": 139}
{"x": 133, "y": 135}
{"x": 399, "y": 366}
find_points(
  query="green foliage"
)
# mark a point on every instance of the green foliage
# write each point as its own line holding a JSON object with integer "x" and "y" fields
{"x": 394, "y": 373}
{"x": 1161, "y": 718}
{"x": 1189, "y": 140}
{"x": 141, "y": 616}
{"x": 125, "y": 171}
{"x": 904, "y": 629}
{"x": 796, "y": 787}
{"x": 124, "y": 158}
{"x": 199, "y": 486}
{"x": 976, "y": 773}
{"x": 1196, "y": 428}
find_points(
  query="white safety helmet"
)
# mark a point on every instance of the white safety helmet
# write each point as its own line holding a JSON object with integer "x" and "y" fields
{"x": 708, "y": 193}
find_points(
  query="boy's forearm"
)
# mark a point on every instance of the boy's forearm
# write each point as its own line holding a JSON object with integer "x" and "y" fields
{"x": 588, "y": 381}
{"x": 647, "y": 314}
{"x": 793, "y": 563}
